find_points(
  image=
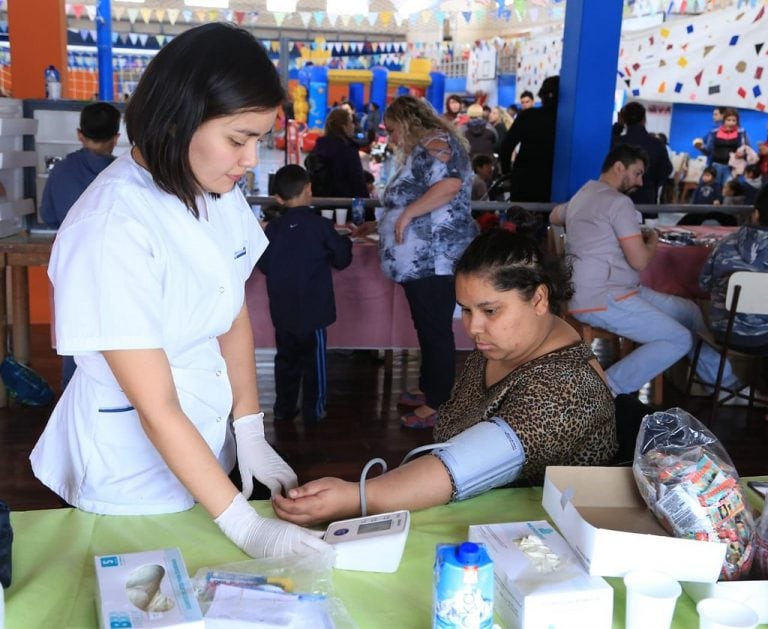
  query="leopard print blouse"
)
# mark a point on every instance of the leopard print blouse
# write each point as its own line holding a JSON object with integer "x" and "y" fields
{"x": 557, "y": 404}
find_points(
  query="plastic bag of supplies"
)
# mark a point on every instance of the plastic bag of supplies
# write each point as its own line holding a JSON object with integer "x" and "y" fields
{"x": 690, "y": 484}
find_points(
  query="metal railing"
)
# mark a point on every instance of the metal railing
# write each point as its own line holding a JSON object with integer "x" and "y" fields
{"x": 670, "y": 208}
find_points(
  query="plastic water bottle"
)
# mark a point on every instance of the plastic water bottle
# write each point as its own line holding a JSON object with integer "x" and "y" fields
{"x": 358, "y": 211}
{"x": 52, "y": 83}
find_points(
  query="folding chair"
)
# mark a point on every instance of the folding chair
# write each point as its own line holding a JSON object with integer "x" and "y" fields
{"x": 747, "y": 294}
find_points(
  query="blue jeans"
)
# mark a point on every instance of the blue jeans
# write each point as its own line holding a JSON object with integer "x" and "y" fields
{"x": 723, "y": 173}
{"x": 664, "y": 326}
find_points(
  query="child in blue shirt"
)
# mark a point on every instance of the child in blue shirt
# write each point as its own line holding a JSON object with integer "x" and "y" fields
{"x": 708, "y": 191}
{"x": 303, "y": 247}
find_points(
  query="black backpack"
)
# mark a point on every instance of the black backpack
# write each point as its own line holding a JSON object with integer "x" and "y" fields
{"x": 320, "y": 175}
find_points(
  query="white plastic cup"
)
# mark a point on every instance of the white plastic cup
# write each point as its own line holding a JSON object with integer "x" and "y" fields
{"x": 651, "y": 598}
{"x": 341, "y": 216}
{"x": 327, "y": 214}
{"x": 721, "y": 613}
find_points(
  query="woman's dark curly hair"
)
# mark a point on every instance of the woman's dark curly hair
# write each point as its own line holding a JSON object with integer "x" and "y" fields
{"x": 515, "y": 261}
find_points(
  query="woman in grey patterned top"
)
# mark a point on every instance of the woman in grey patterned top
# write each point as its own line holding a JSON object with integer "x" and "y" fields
{"x": 424, "y": 227}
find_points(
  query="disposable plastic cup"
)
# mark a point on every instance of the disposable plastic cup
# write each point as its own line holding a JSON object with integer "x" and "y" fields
{"x": 327, "y": 214}
{"x": 341, "y": 216}
{"x": 721, "y": 613}
{"x": 651, "y": 598}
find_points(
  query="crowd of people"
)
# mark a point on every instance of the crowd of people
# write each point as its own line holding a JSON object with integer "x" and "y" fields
{"x": 149, "y": 267}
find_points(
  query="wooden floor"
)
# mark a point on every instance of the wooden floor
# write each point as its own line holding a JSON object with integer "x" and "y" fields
{"x": 363, "y": 422}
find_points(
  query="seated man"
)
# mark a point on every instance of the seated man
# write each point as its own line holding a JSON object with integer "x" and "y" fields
{"x": 744, "y": 250}
{"x": 608, "y": 250}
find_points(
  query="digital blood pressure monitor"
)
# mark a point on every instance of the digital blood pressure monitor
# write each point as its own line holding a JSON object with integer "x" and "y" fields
{"x": 373, "y": 543}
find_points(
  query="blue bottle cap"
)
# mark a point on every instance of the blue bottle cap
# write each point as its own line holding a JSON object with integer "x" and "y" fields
{"x": 468, "y": 553}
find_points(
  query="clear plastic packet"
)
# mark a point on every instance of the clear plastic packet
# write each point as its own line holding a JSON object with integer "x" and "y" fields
{"x": 293, "y": 591}
{"x": 690, "y": 484}
{"x": 761, "y": 544}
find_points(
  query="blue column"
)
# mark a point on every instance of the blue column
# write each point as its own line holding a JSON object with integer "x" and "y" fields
{"x": 104, "y": 47}
{"x": 379, "y": 87}
{"x": 436, "y": 91}
{"x": 587, "y": 87}
{"x": 357, "y": 95}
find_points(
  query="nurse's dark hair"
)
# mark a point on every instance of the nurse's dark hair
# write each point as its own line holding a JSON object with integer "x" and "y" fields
{"x": 516, "y": 261}
{"x": 207, "y": 72}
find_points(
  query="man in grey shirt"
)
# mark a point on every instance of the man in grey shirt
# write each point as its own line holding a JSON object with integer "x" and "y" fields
{"x": 608, "y": 250}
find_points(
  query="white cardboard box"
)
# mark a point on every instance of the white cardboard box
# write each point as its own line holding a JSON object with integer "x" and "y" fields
{"x": 525, "y": 598}
{"x": 148, "y": 589}
{"x": 605, "y": 520}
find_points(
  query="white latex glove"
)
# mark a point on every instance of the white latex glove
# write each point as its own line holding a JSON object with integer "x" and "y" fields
{"x": 257, "y": 459}
{"x": 266, "y": 537}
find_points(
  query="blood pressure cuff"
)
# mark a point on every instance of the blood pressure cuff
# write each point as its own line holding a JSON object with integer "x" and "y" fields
{"x": 6, "y": 537}
{"x": 487, "y": 455}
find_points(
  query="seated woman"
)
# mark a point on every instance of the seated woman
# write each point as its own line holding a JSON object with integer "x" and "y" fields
{"x": 531, "y": 394}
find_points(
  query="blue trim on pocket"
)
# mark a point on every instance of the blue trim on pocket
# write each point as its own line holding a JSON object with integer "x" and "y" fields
{"x": 240, "y": 254}
{"x": 117, "y": 409}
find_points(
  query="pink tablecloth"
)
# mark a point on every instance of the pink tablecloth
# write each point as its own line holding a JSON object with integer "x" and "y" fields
{"x": 371, "y": 310}
{"x": 675, "y": 269}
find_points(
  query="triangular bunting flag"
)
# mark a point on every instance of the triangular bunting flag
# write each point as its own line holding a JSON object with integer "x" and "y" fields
{"x": 253, "y": 17}
{"x": 240, "y": 17}
{"x": 305, "y": 16}
{"x": 77, "y": 9}
{"x": 115, "y": 37}
{"x": 426, "y": 16}
{"x": 319, "y": 17}
{"x": 467, "y": 16}
{"x": 400, "y": 18}
{"x": 372, "y": 17}
{"x": 117, "y": 13}
{"x": 161, "y": 39}
{"x": 133, "y": 38}
{"x": 173, "y": 15}
{"x": 345, "y": 20}
{"x": 279, "y": 18}
{"x": 386, "y": 17}
{"x": 213, "y": 15}
{"x": 159, "y": 14}
{"x": 697, "y": 78}
{"x": 332, "y": 19}
{"x": 90, "y": 9}
{"x": 187, "y": 15}
{"x": 143, "y": 37}
{"x": 67, "y": 8}
{"x": 200, "y": 15}
{"x": 358, "y": 19}
{"x": 85, "y": 34}
{"x": 132, "y": 15}
{"x": 228, "y": 15}
{"x": 146, "y": 15}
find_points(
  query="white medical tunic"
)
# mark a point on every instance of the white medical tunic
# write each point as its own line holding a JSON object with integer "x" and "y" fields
{"x": 132, "y": 268}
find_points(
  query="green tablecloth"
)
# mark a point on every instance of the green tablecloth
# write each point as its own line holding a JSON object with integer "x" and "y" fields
{"x": 54, "y": 581}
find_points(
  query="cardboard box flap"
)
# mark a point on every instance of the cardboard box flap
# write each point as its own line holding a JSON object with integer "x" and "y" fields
{"x": 602, "y": 515}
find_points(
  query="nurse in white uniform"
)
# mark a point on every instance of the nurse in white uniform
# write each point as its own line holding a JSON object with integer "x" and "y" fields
{"x": 148, "y": 271}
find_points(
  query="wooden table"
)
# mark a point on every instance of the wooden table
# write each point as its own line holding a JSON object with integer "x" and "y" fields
{"x": 19, "y": 252}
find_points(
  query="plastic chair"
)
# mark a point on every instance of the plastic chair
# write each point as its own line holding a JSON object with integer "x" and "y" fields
{"x": 747, "y": 294}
